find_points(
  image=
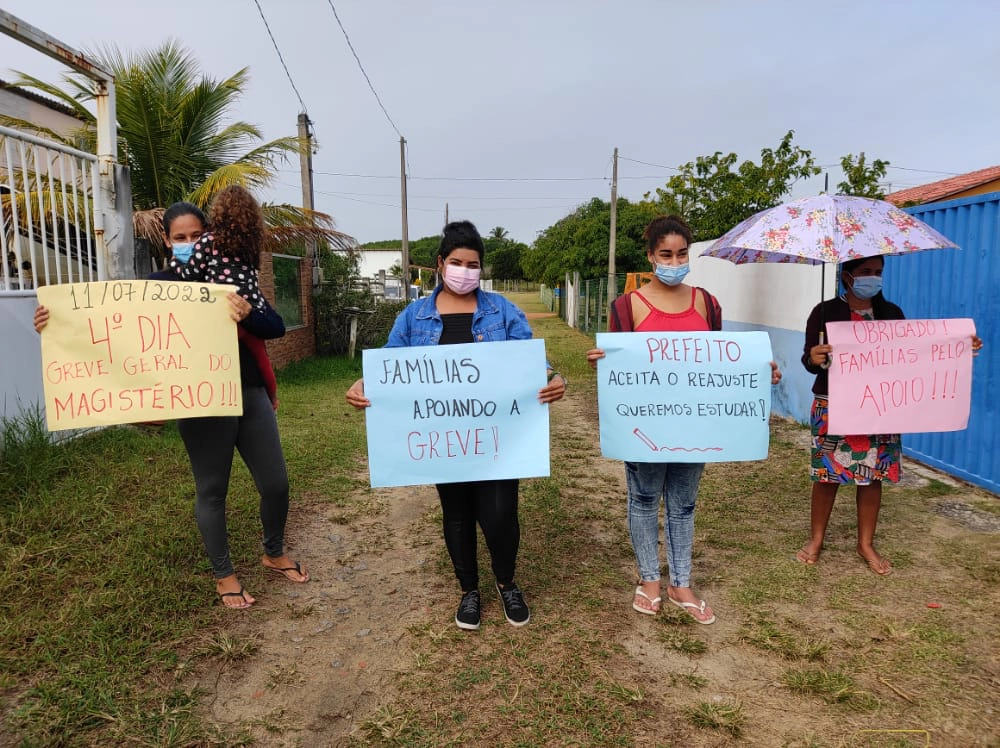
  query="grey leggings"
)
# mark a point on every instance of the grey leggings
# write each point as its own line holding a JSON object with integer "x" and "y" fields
{"x": 210, "y": 443}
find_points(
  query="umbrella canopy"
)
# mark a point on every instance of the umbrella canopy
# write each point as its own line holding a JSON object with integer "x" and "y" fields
{"x": 826, "y": 228}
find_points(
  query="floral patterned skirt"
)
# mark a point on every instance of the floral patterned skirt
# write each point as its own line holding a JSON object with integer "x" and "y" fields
{"x": 851, "y": 459}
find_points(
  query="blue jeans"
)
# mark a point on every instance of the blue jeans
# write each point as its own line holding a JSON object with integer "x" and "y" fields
{"x": 677, "y": 482}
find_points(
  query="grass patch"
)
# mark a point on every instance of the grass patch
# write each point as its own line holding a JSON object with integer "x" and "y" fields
{"x": 764, "y": 634}
{"x": 833, "y": 686}
{"x": 725, "y": 716}
{"x": 105, "y": 594}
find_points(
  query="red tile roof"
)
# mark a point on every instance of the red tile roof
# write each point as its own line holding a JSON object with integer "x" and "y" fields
{"x": 943, "y": 188}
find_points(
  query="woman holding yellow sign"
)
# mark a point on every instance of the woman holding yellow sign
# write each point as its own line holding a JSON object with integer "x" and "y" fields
{"x": 211, "y": 442}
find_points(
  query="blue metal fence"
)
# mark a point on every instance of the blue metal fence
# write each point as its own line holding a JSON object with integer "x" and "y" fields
{"x": 964, "y": 283}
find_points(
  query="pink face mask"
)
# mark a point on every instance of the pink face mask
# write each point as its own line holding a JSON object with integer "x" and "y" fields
{"x": 460, "y": 279}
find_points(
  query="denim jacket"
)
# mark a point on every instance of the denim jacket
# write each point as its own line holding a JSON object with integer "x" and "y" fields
{"x": 495, "y": 319}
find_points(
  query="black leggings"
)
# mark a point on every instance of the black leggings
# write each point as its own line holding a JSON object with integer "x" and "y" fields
{"x": 210, "y": 444}
{"x": 493, "y": 504}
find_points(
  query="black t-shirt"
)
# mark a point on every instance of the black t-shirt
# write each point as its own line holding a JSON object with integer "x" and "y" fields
{"x": 457, "y": 329}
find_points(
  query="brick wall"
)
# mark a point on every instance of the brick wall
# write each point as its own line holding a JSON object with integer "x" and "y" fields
{"x": 298, "y": 343}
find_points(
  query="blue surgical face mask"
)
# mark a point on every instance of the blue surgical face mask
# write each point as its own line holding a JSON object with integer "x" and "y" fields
{"x": 867, "y": 286}
{"x": 182, "y": 251}
{"x": 672, "y": 275}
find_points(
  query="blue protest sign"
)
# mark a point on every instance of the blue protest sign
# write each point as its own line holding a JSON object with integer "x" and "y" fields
{"x": 454, "y": 413}
{"x": 684, "y": 396}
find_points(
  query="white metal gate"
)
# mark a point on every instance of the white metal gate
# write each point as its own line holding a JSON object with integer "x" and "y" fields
{"x": 51, "y": 214}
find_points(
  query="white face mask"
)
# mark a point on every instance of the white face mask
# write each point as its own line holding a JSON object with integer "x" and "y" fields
{"x": 460, "y": 279}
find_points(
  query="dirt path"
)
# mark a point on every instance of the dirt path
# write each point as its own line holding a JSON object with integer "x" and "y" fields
{"x": 328, "y": 651}
{"x": 328, "y": 648}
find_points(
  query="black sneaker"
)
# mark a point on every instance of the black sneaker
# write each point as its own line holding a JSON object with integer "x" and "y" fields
{"x": 514, "y": 606}
{"x": 467, "y": 616}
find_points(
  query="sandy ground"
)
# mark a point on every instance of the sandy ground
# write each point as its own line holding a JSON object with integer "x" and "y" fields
{"x": 329, "y": 650}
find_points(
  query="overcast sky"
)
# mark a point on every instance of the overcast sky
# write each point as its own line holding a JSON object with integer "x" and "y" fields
{"x": 511, "y": 110}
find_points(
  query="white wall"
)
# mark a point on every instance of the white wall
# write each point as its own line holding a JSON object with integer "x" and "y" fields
{"x": 21, "y": 362}
{"x": 371, "y": 261}
{"x": 21, "y": 107}
{"x": 776, "y": 298}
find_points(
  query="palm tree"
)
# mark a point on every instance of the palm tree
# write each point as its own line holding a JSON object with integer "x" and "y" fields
{"x": 173, "y": 137}
{"x": 498, "y": 232}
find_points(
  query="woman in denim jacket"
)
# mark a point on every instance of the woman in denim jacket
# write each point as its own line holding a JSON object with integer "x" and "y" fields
{"x": 460, "y": 312}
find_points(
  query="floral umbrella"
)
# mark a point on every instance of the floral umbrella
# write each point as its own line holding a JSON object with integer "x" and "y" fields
{"x": 826, "y": 228}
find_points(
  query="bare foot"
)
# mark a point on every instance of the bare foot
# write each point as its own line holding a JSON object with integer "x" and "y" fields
{"x": 806, "y": 555}
{"x": 291, "y": 570}
{"x": 232, "y": 593}
{"x": 685, "y": 599}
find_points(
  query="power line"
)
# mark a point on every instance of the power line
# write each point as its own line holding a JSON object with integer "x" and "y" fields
{"x": 280, "y": 57}
{"x": 647, "y": 163}
{"x": 362, "y": 67}
{"x": 482, "y": 179}
{"x": 453, "y": 196}
{"x": 904, "y": 168}
{"x": 927, "y": 171}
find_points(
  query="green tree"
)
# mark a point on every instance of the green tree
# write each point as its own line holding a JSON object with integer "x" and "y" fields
{"x": 423, "y": 251}
{"x": 504, "y": 262}
{"x": 174, "y": 137}
{"x": 714, "y": 193}
{"x": 498, "y": 232}
{"x": 579, "y": 242}
{"x": 861, "y": 178}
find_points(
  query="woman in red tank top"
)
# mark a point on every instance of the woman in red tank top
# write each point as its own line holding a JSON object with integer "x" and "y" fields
{"x": 665, "y": 304}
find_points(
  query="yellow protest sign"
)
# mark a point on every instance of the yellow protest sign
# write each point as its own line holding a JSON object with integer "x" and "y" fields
{"x": 138, "y": 350}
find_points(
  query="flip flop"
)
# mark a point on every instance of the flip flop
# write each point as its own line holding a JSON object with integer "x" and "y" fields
{"x": 283, "y": 570}
{"x": 689, "y": 608}
{"x": 246, "y": 604}
{"x": 880, "y": 566}
{"x": 654, "y": 603}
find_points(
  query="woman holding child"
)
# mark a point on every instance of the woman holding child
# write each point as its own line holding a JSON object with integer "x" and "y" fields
{"x": 231, "y": 254}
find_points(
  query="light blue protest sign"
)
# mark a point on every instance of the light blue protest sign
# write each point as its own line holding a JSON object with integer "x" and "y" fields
{"x": 454, "y": 413}
{"x": 684, "y": 396}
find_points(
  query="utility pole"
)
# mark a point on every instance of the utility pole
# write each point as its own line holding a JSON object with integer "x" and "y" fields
{"x": 612, "y": 281}
{"x": 446, "y": 214}
{"x": 306, "y": 169}
{"x": 405, "y": 260}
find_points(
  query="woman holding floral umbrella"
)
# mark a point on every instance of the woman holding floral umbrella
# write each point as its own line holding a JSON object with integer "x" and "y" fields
{"x": 862, "y": 460}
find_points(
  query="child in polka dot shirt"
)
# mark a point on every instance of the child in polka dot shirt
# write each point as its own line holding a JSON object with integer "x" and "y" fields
{"x": 208, "y": 264}
{"x": 230, "y": 252}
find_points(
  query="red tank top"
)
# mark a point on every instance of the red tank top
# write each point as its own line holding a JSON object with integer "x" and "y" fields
{"x": 690, "y": 320}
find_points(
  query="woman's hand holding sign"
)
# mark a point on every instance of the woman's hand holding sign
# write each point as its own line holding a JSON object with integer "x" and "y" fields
{"x": 554, "y": 390}
{"x": 356, "y": 395}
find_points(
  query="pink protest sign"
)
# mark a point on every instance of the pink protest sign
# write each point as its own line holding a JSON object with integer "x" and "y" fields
{"x": 900, "y": 376}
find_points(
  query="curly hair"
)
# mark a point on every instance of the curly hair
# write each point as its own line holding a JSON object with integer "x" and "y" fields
{"x": 661, "y": 226}
{"x": 237, "y": 224}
